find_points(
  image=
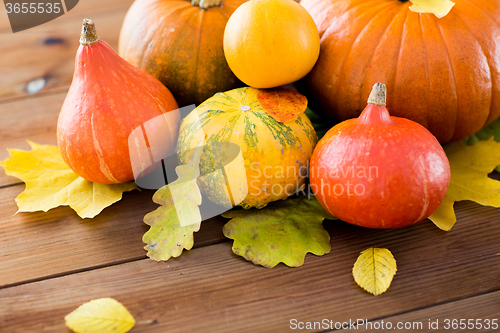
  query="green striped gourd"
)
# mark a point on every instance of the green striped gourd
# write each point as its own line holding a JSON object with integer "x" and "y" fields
{"x": 276, "y": 155}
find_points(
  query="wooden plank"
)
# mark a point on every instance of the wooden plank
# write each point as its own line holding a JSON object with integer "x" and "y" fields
{"x": 39, "y": 245}
{"x": 211, "y": 290}
{"x": 4, "y": 22}
{"x": 32, "y": 119}
{"x": 477, "y": 314}
{"x": 48, "y": 52}
{"x": 85, "y": 7}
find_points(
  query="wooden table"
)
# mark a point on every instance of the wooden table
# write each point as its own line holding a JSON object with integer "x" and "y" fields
{"x": 52, "y": 262}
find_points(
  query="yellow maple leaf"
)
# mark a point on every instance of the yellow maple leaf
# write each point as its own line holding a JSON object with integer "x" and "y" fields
{"x": 374, "y": 269}
{"x": 437, "y": 7}
{"x": 101, "y": 315}
{"x": 470, "y": 166}
{"x": 51, "y": 183}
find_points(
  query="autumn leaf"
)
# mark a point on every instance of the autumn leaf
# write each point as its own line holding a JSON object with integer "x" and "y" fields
{"x": 374, "y": 270}
{"x": 437, "y": 7}
{"x": 283, "y": 104}
{"x": 173, "y": 224}
{"x": 103, "y": 315}
{"x": 284, "y": 231}
{"x": 470, "y": 166}
{"x": 492, "y": 130}
{"x": 51, "y": 183}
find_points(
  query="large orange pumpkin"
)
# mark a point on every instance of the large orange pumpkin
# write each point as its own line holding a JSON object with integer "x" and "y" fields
{"x": 443, "y": 73}
{"x": 180, "y": 43}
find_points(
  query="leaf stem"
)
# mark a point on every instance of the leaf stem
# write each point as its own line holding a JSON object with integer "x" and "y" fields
{"x": 146, "y": 322}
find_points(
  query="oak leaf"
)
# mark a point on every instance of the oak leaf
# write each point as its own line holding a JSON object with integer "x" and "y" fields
{"x": 374, "y": 270}
{"x": 178, "y": 217}
{"x": 437, "y": 7}
{"x": 284, "y": 231}
{"x": 51, "y": 183}
{"x": 470, "y": 166}
{"x": 283, "y": 104}
{"x": 103, "y": 315}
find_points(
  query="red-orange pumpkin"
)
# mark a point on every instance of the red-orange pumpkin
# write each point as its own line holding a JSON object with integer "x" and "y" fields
{"x": 180, "y": 43}
{"x": 379, "y": 171}
{"x": 107, "y": 100}
{"x": 443, "y": 73}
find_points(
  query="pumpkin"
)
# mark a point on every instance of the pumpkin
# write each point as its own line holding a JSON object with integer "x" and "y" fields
{"x": 275, "y": 155}
{"x": 108, "y": 99}
{"x": 443, "y": 73}
{"x": 269, "y": 43}
{"x": 180, "y": 43}
{"x": 379, "y": 171}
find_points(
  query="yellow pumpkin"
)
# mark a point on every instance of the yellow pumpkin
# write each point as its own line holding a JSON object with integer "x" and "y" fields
{"x": 276, "y": 155}
{"x": 268, "y": 43}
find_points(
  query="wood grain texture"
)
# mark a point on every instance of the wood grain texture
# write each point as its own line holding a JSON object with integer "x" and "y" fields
{"x": 211, "y": 290}
{"x": 84, "y": 7}
{"x": 39, "y": 245}
{"x": 444, "y": 317}
{"x": 48, "y": 51}
{"x": 50, "y": 263}
{"x": 32, "y": 119}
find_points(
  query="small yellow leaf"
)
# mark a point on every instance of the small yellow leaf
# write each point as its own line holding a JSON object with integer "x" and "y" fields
{"x": 470, "y": 166}
{"x": 101, "y": 315}
{"x": 374, "y": 269}
{"x": 51, "y": 183}
{"x": 437, "y": 7}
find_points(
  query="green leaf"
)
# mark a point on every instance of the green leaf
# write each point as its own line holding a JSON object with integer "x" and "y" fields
{"x": 374, "y": 270}
{"x": 284, "y": 231}
{"x": 470, "y": 166}
{"x": 173, "y": 224}
{"x": 51, "y": 183}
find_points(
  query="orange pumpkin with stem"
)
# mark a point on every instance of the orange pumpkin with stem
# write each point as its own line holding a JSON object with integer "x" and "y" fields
{"x": 446, "y": 69}
{"x": 180, "y": 43}
{"x": 106, "y": 101}
{"x": 379, "y": 171}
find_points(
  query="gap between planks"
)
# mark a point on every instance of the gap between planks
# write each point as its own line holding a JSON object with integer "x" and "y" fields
{"x": 213, "y": 285}
{"x": 410, "y": 316}
{"x": 41, "y": 94}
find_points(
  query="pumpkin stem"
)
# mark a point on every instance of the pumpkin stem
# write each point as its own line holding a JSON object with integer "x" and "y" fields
{"x": 378, "y": 94}
{"x": 206, "y": 4}
{"x": 375, "y": 112}
{"x": 89, "y": 34}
